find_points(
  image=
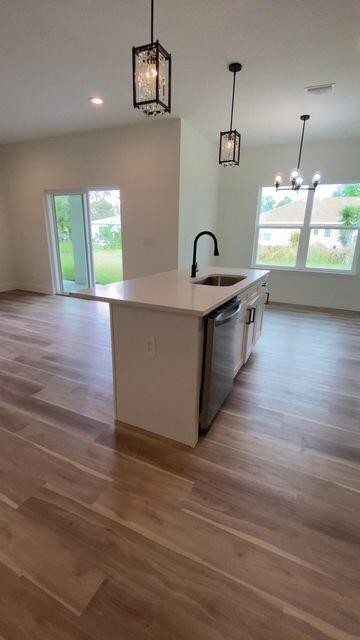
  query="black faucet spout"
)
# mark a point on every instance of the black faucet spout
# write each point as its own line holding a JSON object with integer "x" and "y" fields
{"x": 194, "y": 266}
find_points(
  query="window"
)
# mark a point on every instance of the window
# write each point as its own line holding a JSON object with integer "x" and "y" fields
{"x": 309, "y": 230}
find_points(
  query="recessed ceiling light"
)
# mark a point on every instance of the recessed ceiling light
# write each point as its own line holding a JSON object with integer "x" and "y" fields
{"x": 96, "y": 100}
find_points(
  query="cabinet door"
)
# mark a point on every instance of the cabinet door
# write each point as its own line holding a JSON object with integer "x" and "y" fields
{"x": 259, "y": 313}
{"x": 239, "y": 337}
{"x": 258, "y": 319}
{"x": 248, "y": 340}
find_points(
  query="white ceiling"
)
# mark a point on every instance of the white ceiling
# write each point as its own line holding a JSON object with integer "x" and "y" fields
{"x": 54, "y": 54}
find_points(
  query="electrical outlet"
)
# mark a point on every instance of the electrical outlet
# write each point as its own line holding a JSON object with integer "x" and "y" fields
{"x": 150, "y": 348}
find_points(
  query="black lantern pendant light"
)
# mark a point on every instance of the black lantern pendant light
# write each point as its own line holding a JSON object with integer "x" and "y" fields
{"x": 295, "y": 177}
{"x": 229, "y": 151}
{"x": 152, "y": 76}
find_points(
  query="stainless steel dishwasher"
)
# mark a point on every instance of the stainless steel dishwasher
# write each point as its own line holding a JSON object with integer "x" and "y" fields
{"x": 219, "y": 359}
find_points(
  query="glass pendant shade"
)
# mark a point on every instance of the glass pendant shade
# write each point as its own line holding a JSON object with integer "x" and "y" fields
{"x": 229, "y": 152}
{"x": 152, "y": 79}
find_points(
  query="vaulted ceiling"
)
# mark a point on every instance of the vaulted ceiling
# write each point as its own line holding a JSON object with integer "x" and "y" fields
{"x": 55, "y": 54}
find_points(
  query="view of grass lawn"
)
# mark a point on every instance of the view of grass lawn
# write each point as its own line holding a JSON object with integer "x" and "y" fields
{"x": 319, "y": 256}
{"x": 277, "y": 255}
{"x": 107, "y": 263}
{"x": 67, "y": 260}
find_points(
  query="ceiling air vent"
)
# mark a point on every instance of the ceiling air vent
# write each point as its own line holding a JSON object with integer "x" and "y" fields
{"x": 320, "y": 89}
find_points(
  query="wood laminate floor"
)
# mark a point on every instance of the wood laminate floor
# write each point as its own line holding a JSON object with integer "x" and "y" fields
{"x": 122, "y": 535}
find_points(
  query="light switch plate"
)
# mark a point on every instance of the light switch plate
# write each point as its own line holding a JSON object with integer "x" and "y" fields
{"x": 150, "y": 347}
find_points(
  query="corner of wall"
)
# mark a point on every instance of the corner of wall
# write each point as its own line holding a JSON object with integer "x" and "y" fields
{"x": 7, "y": 263}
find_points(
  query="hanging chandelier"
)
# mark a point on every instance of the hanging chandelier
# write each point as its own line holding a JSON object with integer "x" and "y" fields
{"x": 229, "y": 150}
{"x": 295, "y": 177}
{"x": 152, "y": 76}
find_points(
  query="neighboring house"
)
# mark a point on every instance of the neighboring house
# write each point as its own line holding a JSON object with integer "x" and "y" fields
{"x": 98, "y": 225}
{"x": 325, "y": 211}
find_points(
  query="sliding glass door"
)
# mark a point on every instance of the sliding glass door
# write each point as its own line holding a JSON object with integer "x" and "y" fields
{"x": 85, "y": 238}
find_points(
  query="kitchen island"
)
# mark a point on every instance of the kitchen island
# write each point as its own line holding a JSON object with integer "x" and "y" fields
{"x": 157, "y": 331}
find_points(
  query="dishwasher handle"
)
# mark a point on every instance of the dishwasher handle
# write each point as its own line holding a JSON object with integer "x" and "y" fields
{"x": 224, "y": 317}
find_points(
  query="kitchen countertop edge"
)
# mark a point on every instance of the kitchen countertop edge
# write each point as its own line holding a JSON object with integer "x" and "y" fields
{"x": 217, "y": 295}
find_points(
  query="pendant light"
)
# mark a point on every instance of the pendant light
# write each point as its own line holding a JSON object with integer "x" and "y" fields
{"x": 152, "y": 76}
{"x": 295, "y": 177}
{"x": 229, "y": 150}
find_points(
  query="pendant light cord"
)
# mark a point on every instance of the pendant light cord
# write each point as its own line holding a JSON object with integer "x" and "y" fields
{"x": 232, "y": 102}
{"x": 301, "y": 145}
{"x": 152, "y": 21}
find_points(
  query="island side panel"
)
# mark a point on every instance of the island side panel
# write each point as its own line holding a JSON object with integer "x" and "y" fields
{"x": 158, "y": 393}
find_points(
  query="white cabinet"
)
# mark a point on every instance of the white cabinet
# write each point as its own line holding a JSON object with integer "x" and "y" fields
{"x": 239, "y": 337}
{"x": 259, "y": 310}
{"x": 250, "y": 322}
{"x": 249, "y": 335}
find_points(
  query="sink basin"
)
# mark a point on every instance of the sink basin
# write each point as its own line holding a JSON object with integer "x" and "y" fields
{"x": 220, "y": 281}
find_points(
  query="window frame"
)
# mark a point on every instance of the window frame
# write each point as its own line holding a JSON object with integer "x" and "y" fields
{"x": 305, "y": 230}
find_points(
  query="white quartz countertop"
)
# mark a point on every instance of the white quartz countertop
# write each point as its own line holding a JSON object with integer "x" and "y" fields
{"x": 174, "y": 290}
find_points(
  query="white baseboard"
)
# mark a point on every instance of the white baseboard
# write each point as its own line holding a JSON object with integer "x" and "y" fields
{"x": 7, "y": 286}
{"x": 35, "y": 288}
{"x": 323, "y": 303}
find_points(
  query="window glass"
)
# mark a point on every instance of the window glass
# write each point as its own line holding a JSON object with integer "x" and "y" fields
{"x": 106, "y": 235}
{"x": 331, "y": 248}
{"x": 337, "y": 204}
{"x": 282, "y": 207}
{"x": 278, "y": 247}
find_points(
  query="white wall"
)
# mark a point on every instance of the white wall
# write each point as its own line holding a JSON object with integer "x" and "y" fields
{"x": 338, "y": 161}
{"x": 7, "y": 267}
{"x": 169, "y": 180}
{"x": 142, "y": 160}
{"x": 199, "y": 184}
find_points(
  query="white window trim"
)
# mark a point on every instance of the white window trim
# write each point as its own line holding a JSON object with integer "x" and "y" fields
{"x": 305, "y": 230}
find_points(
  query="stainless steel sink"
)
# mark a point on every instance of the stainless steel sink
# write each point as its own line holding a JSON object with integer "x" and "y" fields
{"x": 220, "y": 281}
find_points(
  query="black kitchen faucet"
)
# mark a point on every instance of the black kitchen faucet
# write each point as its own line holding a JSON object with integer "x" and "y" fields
{"x": 194, "y": 267}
